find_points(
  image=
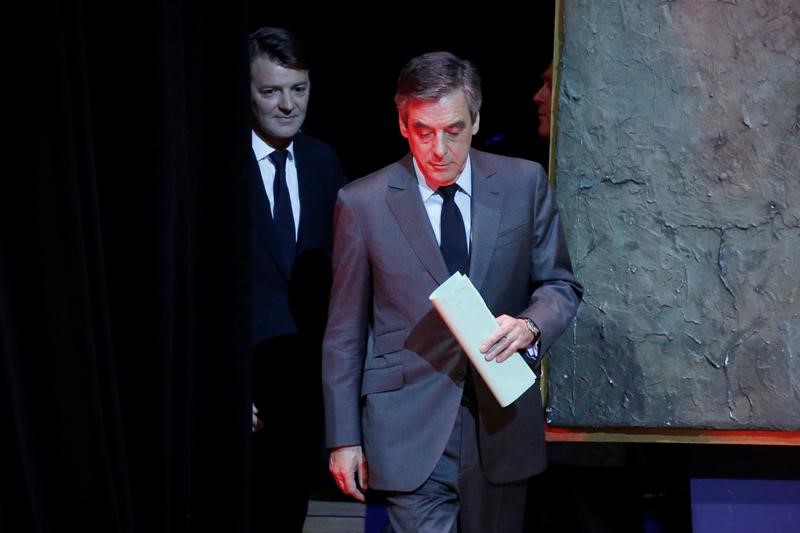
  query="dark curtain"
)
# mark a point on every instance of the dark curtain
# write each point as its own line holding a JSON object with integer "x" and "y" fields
{"x": 124, "y": 392}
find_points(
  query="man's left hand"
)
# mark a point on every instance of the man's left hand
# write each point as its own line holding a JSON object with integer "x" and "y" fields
{"x": 511, "y": 336}
{"x": 258, "y": 425}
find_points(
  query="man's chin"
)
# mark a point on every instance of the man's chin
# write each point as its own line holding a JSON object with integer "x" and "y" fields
{"x": 285, "y": 132}
{"x": 440, "y": 176}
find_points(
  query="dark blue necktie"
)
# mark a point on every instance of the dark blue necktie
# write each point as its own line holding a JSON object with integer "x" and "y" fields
{"x": 282, "y": 210}
{"x": 453, "y": 236}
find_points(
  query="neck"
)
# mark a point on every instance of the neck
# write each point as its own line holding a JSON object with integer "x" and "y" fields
{"x": 275, "y": 142}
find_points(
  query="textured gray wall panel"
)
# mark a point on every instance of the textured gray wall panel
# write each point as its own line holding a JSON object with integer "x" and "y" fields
{"x": 678, "y": 173}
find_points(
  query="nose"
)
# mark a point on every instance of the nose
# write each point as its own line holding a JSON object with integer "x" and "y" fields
{"x": 286, "y": 103}
{"x": 440, "y": 146}
{"x": 538, "y": 96}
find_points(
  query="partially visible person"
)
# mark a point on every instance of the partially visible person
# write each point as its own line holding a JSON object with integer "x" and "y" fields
{"x": 406, "y": 415}
{"x": 293, "y": 188}
{"x": 586, "y": 488}
{"x": 543, "y": 98}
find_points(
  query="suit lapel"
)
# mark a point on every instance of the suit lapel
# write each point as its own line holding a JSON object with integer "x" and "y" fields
{"x": 487, "y": 201}
{"x": 406, "y": 205}
{"x": 308, "y": 211}
{"x": 261, "y": 214}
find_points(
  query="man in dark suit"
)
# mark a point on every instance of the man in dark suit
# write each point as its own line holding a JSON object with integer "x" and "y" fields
{"x": 405, "y": 414}
{"x": 295, "y": 179}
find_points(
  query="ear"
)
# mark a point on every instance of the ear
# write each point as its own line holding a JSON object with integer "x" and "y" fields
{"x": 476, "y": 125}
{"x": 403, "y": 128}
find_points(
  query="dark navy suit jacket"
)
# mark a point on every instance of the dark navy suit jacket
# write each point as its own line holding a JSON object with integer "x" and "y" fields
{"x": 287, "y": 302}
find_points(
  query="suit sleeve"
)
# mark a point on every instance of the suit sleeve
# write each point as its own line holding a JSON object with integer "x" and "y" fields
{"x": 344, "y": 346}
{"x": 556, "y": 293}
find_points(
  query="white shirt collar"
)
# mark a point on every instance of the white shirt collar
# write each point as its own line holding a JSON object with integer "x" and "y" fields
{"x": 262, "y": 149}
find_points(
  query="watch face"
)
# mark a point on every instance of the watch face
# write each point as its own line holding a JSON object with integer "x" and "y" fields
{"x": 531, "y": 327}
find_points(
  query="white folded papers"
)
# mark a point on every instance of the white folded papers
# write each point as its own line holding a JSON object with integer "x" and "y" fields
{"x": 463, "y": 310}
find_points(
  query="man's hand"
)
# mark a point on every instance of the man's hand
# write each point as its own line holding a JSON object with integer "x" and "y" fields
{"x": 512, "y": 334}
{"x": 348, "y": 464}
{"x": 257, "y": 423}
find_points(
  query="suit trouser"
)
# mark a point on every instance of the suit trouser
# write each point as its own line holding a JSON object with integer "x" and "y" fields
{"x": 286, "y": 452}
{"x": 457, "y": 496}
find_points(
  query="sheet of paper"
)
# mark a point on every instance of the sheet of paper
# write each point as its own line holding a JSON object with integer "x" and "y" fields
{"x": 463, "y": 310}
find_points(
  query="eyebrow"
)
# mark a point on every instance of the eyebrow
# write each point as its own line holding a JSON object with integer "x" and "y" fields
{"x": 458, "y": 124}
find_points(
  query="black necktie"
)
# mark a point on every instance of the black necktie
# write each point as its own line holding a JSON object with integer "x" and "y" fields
{"x": 282, "y": 210}
{"x": 453, "y": 236}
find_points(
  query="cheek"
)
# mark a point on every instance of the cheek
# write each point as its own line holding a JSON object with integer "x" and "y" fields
{"x": 302, "y": 103}
{"x": 262, "y": 106}
{"x": 418, "y": 149}
{"x": 462, "y": 149}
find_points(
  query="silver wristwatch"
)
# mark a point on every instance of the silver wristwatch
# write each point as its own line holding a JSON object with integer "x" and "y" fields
{"x": 533, "y": 328}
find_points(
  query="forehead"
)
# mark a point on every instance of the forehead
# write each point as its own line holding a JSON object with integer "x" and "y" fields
{"x": 443, "y": 112}
{"x": 264, "y": 71}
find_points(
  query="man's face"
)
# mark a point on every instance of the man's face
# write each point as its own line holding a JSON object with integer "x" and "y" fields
{"x": 280, "y": 100}
{"x": 440, "y": 135}
{"x": 542, "y": 99}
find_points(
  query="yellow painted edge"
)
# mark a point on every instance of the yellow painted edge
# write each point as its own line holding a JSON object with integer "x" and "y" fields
{"x": 557, "y": 44}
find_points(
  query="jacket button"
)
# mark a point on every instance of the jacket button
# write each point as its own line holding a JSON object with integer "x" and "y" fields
{"x": 461, "y": 375}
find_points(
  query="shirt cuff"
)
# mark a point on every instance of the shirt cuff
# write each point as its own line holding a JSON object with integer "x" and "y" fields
{"x": 532, "y": 351}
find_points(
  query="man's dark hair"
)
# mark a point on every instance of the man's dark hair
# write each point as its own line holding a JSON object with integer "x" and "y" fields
{"x": 280, "y": 46}
{"x": 431, "y": 76}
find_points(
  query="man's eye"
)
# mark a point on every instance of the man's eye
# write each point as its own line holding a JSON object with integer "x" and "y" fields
{"x": 267, "y": 92}
{"x": 301, "y": 90}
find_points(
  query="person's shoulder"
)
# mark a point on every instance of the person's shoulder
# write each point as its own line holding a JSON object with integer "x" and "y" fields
{"x": 508, "y": 166}
{"x": 378, "y": 180}
{"x": 307, "y": 143}
{"x": 320, "y": 159}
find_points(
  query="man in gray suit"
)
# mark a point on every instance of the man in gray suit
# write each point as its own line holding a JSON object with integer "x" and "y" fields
{"x": 405, "y": 414}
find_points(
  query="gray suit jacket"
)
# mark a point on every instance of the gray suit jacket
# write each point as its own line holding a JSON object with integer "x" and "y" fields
{"x": 393, "y": 374}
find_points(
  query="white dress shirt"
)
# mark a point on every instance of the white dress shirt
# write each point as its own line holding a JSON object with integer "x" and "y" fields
{"x": 262, "y": 151}
{"x": 433, "y": 202}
